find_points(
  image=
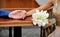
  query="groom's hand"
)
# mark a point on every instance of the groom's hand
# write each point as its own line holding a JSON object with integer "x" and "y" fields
{"x": 17, "y": 14}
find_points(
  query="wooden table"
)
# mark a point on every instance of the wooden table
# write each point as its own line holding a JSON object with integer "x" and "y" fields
{"x": 27, "y": 22}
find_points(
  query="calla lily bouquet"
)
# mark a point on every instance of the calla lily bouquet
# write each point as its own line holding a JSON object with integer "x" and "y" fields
{"x": 40, "y": 18}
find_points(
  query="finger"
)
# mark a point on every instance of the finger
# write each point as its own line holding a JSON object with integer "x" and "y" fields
{"x": 24, "y": 16}
{"x": 20, "y": 10}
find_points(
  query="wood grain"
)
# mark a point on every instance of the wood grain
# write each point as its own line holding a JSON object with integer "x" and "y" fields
{"x": 18, "y": 4}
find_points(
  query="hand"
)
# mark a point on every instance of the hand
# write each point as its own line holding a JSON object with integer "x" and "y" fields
{"x": 17, "y": 14}
{"x": 22, "y": 15}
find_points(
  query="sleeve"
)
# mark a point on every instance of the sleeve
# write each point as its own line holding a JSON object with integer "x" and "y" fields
{"x": 4, "y": 13}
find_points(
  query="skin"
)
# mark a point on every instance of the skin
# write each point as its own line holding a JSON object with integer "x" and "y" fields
{"x": 21, "y": 14}
{"x": 17, "y": 14}
{"x": 46, "y": 6}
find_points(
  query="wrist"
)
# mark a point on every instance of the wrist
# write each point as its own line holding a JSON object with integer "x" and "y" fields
{"x": 26, "y": 15}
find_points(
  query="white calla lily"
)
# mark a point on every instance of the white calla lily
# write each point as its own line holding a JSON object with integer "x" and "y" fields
{"x": 40, "y": 18}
